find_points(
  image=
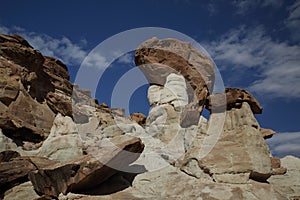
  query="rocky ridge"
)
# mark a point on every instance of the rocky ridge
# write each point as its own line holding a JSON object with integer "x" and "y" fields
{"x": 64, "y": 145}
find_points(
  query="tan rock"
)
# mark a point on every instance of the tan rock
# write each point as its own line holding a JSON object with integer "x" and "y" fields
{"x": 288, "y": 185}
{"x": 88, "y": 171}
{"x": 234, "y": 98}
{"x": 16, "y": 170}
{"x": 22, "y": 191}
{"x": 239, "y": 151}
{"x": 159, "y": 58}
{"x": 139, "y": 118}
{"x": 267, "y": 133}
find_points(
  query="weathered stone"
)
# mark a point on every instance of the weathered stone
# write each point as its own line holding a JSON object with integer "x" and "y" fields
{"x": 6, "y": 156}
{"x": 234, "y": 98}
{"x": 240, "y": 149}
{"x": 22, "y": 191}
{"x": 139, "y": 118}
{"x": 28, "y": 120}
{"x": 159, "y": 58}
{"x": 267, "y": 133}
{"x": 288, "y": 184}
{"x": 170, "y": 183}
{"x": 64, "y": 142}
{"x": 88, "y": 171}
{"x": 275, "y": 162}
{"x": 16, "y": 170}
{"x": 7, "y": 143}
{"x": 29, "y": 84}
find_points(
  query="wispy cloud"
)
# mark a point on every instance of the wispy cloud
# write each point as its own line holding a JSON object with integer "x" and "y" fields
{"x": 126, "y": 58}
{"x": 282, "y": 144}
{"x": 244, "y": 6}
{"x": 276, "y": 63}
{"x": 72, "y": 54}
{"x": 212, "y": 8}
{"x": 96, "y": 60}
{"x": 4, "y": 30}
{"x": 62, "y": 48}
{"x": 293, "y": 21}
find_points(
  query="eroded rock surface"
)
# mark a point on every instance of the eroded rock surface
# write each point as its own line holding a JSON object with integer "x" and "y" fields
{"x": 159, "y": 58}
{"x": 56, "y": 135}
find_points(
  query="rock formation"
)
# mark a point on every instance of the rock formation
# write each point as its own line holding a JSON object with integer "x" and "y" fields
{"x": 56, "y": 142}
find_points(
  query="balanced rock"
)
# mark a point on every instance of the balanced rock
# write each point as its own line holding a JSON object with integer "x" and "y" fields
{"x": 159, "y": 58}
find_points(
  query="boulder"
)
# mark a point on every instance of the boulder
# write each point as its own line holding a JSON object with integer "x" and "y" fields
{"x": 234, "y": 98}
{"x": 22, "y": 191}
{"x": 240, "y": 152}
{"x": 16, "y": 170}
{"x": 64, "y": 142}
{"x": 88, "y": 171}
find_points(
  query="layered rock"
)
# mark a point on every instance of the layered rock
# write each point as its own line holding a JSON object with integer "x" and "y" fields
{"x": 157, "y": 59}
{"x": 58, "y": 142}
{"x": 88, "y": 171}
{"x": 31, "y": 87}
{"x": 234, "y": 98}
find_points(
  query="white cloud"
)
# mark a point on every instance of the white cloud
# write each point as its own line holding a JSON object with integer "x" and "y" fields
{"x": 126, "y": 58}
{"x": 282, "y": 144}
{"x": 96, "y": 60}
{"x": 277, "y": 64}
{"x": 212, "y": 8}
{"x": 244, "y": 6}
{"x": 4, "y": 30}
{"x": 293, "y": 21}
{"x": 62, "y": 48}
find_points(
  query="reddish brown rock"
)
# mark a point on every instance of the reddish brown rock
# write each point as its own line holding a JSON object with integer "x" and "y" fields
{"x": 234, "y": 97}
{"x": 276, "y": 166}
{"x": 88, "y": 171}
{"x": 267, "y": 133}
{"x": 139, "y": 118}
{"x": 159, "y": 58}
{"x": 28, "y": 120}
{"x": 275, "y": 162}
{"x": 33, "y": 88}
{"x": 16, "y": 170}
{"x": 6, "y": 156}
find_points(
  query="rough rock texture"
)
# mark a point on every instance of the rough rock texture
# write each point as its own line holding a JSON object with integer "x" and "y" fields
{"x": 139, "y": 118}
{"x": 6, "y": 156}
{"x": 64, "y": 142}
{"x": 31, "y": 86}
{"x": 240, "y": 152}
{"x": 22, "y": 191}
{"x": 159, "y": 58}
{"x": 289, "y": 183}
{"x": 88, "y": 171}
{"x": 234, "y": 99}
{"x": 16, "y": 170}
{"x": 71, "y": 147}
{"x": 267, "y": 133}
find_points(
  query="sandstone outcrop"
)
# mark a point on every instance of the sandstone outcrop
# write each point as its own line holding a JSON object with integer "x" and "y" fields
{"x": 57, "y": 142}
{"x": 157, "y": 59}
{"x": 234, "y": 99}
{"x": 86, "y": 172}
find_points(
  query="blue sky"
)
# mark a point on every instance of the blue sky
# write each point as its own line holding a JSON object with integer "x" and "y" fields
{"x": 254, "y": 43}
